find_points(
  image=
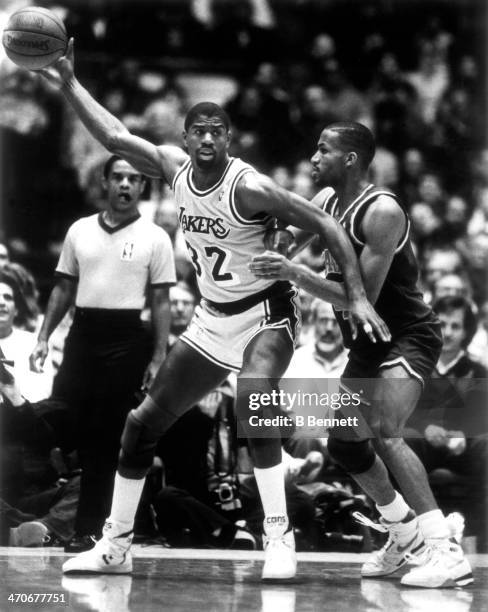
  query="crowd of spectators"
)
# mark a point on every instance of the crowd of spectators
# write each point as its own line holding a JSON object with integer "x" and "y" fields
{"x": 283, "y": 70}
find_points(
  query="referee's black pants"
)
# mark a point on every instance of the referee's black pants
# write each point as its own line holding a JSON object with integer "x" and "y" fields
{"x": 105, "y": 355}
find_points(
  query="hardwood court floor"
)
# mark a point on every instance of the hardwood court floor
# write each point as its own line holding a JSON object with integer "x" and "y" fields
{"x": 224, "y": 581}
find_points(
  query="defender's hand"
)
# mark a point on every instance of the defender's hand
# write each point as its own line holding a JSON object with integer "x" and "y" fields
{"x": 363, "y": 314}
{"x": 63, "y": 70}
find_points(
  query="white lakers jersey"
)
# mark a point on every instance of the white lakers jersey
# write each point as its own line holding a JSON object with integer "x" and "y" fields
{"x": 221, "y": 242}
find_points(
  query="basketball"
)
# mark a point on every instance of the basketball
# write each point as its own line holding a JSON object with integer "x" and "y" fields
{"x": 34, "y": 38}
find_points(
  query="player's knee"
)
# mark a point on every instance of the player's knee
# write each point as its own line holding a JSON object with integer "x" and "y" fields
{"x": 138, "y": 444}
{"x": 356, "y": 457}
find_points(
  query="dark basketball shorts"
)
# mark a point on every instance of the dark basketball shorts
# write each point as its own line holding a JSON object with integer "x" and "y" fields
{"x": 416, "y": 350}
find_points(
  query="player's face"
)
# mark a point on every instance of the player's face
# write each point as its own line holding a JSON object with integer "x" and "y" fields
{"x": 452, "y": 327}
{"x": 207, "y": 141}
{"x": 7, "y": 307}
{"x": 328, "y": 162}
{"x": 124, "y": 187}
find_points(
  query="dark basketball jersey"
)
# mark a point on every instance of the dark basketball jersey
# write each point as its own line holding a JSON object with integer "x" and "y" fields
{"x": 400, "y": 303}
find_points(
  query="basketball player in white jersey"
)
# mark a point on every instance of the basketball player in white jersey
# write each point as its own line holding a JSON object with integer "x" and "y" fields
{"x": 243, "y": 323}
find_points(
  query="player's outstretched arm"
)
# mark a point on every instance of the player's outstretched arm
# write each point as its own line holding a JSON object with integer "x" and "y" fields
{"x": 160, "y": 162}
{"x": 257, "y": 193}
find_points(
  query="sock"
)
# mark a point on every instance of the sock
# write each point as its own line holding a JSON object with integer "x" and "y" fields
{"x": 395, "y": 511}
{"x": 433, "y": 524}
{"x": 126, "y": 496}
{"x": 271, "y": 485}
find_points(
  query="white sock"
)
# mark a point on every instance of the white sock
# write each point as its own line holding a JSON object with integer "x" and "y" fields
{"x": 433, "y": 524}
{"x": 271, "y": 485}
{"x": 126, "y": 496}
{"x": 396, "y": 510}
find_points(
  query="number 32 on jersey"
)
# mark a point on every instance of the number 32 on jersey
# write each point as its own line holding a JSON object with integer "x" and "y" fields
{"x": 217, "y": 262}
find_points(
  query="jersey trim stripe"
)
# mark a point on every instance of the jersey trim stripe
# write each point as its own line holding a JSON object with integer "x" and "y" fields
{"x": 179, "y": 173}
{"x": 353, "y": 203}
{"x": 367, "y": 200}
{"x": 406, "y": 366}
{"x": 232, "y": 203}
{"x": 222, "y": 364}
{"x": 206, "y": 192}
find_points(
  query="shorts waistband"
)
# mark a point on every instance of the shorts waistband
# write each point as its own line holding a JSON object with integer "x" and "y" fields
{"x": 233, "y": 308}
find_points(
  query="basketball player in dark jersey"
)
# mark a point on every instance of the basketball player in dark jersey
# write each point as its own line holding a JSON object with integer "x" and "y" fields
{"x": 390, "y": 375}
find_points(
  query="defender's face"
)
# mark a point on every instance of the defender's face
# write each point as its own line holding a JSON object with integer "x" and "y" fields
{"x": 328, "y": 161}
{"x": 124, "y": 187}
{"x": 207, "y": 141}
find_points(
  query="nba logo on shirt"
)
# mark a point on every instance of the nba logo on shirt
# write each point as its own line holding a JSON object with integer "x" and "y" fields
{"x": 128, "y": 251}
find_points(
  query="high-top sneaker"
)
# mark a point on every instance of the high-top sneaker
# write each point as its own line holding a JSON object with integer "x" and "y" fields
{"x": 443, "y": 565}
{"x": 110, "y": 555}
{"x": 403, "y": 537}
{"x": 280, "y": 562}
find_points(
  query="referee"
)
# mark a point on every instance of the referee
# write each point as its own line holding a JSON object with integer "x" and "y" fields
{"x": 107, "y": 263}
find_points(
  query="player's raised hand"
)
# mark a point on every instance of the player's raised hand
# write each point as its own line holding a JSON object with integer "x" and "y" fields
{"x": 364, "y": 315}
{"x": 38, "y": 356}
{"x": 63, "y": 70}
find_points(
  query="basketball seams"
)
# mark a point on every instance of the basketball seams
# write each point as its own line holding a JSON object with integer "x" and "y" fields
{"x": 46, "y": 14}
{"x": 63, "y": 40}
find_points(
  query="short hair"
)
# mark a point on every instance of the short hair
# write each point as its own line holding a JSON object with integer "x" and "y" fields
{"x": 448, "y": 303}
{"x": 107, "y": 167}
{"x": 356, "y": 137}
{"x": 208, "y": 109}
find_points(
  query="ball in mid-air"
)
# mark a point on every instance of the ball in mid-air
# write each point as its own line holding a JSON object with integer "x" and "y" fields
{"x": 34, "y": 38}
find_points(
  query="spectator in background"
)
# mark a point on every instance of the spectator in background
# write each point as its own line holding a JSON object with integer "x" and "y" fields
{"x": 107, "y": 262}
{"x": 430, "y": 81}
{"x": 16, "y": 344}
{"x": 451, "y": 415}
{"x": 324, "y": 355}
{"x": 27, "y": 283}
{"x": 182, "y": 302}
{"x": 412, "y": 168}
{"x": 4, "y": 254}
{"x": 452, "y": 284}
{"x": 439, "y": 261}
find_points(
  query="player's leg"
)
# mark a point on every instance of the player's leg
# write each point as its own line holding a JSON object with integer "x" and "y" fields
{"x": 183, "y": 379}
{"x": 396, "y": 397}
{"x": 266, "y": 358}
{"x": 349, "y": 447}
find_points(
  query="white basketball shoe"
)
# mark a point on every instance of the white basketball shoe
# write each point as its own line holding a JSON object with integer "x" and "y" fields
{"x": 280, "y": 562}
{"x": 404, "y": 539}
{"x": 110, "y": 555}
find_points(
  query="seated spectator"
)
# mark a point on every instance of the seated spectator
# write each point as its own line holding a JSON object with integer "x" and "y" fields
{"x": 38, "y": 495}
{"x": 29, "y": 289}
{"x": 16, "y": 344}
{"x": 324, "y": 355}
{"x": 448, "y": 426}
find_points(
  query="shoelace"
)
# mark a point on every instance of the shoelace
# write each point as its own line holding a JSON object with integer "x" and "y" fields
{"x": 364, "y": 520}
